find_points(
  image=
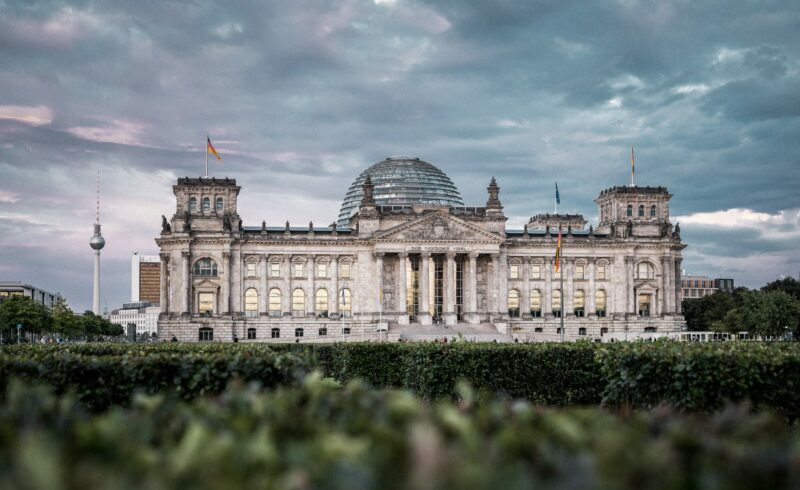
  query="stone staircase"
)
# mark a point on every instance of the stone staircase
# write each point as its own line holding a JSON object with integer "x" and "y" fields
{"x": 482, "y": 332}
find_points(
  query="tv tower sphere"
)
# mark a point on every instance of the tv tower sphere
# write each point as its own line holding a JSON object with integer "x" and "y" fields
{"x": 97, "y": 242}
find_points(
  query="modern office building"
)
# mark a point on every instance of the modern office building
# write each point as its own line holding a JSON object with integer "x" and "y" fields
{"x": 142, "y": 314}
{"x": 145, "y": 278}
{"x": 419, "y": 261}
{"x": 700, "y": 286}
{"x": 9, "y": 289}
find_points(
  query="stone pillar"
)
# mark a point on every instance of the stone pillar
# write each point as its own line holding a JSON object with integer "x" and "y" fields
{"x": 525, "y": 301}
{"x": 567, "y": 297}
{"x": 424, "y": 289}
{"x": 678, "y": 306}
{"x": 375, "y": 297}
{"x": 502, "y": 284}
{"x": 665, "y": 282}
{"x": 187, "y": 281}
{"x": 226, "y": 283}
{"x": 472, "y": 306}
{"x": 450, "y": 290}
{"x": 630, "y": 291}
{"x": 591, "y": 290}
{"x": 163, "y": 283}
{"x": 401, "y": 301}
{"x": 262, "y": 285}
{"x": 311, "y": 296}
{"x": 494, "y": 286}
{"x": 333, "y": 295}
{"x": 286, "y": 297}
{"x": 547, "y": 304}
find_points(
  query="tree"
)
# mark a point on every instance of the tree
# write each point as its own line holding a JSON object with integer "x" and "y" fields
{"x": 95, "y": 326}
{"x": 709, "y": 312}
{"x": 770, "y": 313}
{"x": 65, "y": 322}
{"x": 789, "y": 285}
{"x": 22, "y": 310}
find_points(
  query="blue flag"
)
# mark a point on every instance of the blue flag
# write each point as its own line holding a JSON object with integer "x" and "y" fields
{"x": 558, "y": 197}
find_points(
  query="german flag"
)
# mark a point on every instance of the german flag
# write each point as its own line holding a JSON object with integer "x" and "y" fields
{"x": 210, "y": 149}
{"x": 558, "y": 251}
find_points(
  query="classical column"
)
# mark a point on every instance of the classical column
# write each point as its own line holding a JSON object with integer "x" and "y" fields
{"x": 423, "y": 301}
{"x": 402, "y": 309}
{"x": 665, "y": 294}
{"x": 567, "y": 297}
{"x": 677, "y": 286}
{"x": 630, "y": 291}
{"x": 450, "y": 290}
{"x": 375, "y": 298}
{"x": 262, "y": 285}
{"x": 494, "y": 285}
{"x": 163, "y": 283}
{"x": 226, "y": 283}
{"x": 311, "y": 301}
{"x": 502, "y": 284}
{"x": 525, "y": 303}
{"x": 547, "y": 304}
{"x": 187, "y": 281}
{"x": 472, "y": 308}
{"x": 591, "y": 290}
{"x": 333, "y": 295}
{"x": 286, "y": 297}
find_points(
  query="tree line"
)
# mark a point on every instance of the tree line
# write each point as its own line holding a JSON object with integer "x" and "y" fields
{"x": 60, "y": 321}
{"x": 772, "y": 311}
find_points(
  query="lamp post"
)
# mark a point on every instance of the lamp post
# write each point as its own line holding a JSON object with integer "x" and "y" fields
{"x": 19, "y": 332}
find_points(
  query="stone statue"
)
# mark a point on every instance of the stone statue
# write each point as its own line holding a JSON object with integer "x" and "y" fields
{"x": 613, "y": 230}
{"x": 629, "y": 229}
{"x": 547, "y": 230}
{"x": 186, "y": 227}
{"x": 677, "y": 232}
{"x": 226, "y": 222}
{"x": 569, "y": 230}
{"x": 287, "y": 231}
{"x": 264, "y": 225}
{"x": 368, "y": 198}
{"x": 591, "y": 230}
{"x": 665, "y": 228}
{"x": 165, "y": 226}
{"x": 494, "y": 195}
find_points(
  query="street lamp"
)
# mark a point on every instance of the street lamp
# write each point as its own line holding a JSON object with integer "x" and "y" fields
{"x": 19, "y": 332}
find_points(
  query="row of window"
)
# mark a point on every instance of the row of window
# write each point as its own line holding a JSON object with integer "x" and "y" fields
{"x": 578, "y": 301}
{"x": 640, "y": 214}
{"x": 206, "y": 203}
{"x": 298, "y": 303}
{"x": 206, "y": 334}
{"x": 207, "y": 267}
{"x": 537, "y": 271}
{"x": 697, "y": 283}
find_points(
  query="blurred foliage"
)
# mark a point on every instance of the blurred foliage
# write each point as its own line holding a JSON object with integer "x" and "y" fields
{"x": 318, "y": 435}
{"x": 61, "y": 321}
{"x": 688, "y": 376}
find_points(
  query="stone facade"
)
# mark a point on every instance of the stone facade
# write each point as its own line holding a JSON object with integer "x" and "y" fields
{"x": 395, "y": 267}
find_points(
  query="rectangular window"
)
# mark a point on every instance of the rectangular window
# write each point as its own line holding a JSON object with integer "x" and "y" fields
{"x": 298, "y": 332}
{"x": 323, "y": 331}
{"x": 344, "y": 271}
{"x": 297, "y": 269}
{"x": 274, "y": 269}
{"x": 206, "y": 335}
{"x": 251, "y": 269}
{"x": 251, "y": 334}
{"x": 600, "y": 272}
{"x": 513, "y": 271}
{"x": 322, "y": 270}
{"x": 205, "y": 303}
{"x": 557, "y": 273}
{"x": 536, "y": 271}
{"x": 276, "y": 333}
{"x": 580, "y": 271}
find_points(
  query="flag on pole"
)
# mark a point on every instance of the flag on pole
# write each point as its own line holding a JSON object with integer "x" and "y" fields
{"x": 210, "y": 149}
{"x": 633, "y": 163}
{"x": 558, "y": 196}
{"x": 558, "y": 250}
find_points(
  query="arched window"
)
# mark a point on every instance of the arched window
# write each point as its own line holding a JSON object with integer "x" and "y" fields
{"x": 653, "y": 211}
{"x": 645, "y": 270}
{"x": 321, "y": 302}
{"x": 206, "y": 204}
{"x": 557, "y": 303}
{"x": 205, "y": 268}
{"x": 251, "y": 303}
{"x": 630, "y": 210}
{"x": 219, "y": 205}
{"x": 345, "y": 302}
{"x": 274, "y": 302}
{"x": 641, "y": 210}
{"x": 298, "y": 302}
{"x": 192, "y": 204}
{"x": 578, "y": 302}
{"x": 536, "y": 303}
{"x": 513, "y": 303}
{"x": 600, "y": 302}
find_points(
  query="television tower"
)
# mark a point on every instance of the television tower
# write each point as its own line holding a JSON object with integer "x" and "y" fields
{"x": 97, "y": 243}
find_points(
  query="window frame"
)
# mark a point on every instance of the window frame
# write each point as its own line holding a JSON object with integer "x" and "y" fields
{"x": 251, "y": 303}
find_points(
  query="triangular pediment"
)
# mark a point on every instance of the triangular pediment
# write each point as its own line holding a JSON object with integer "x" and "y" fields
{"x": 205, "y": 283}
{"x": 436, "y": 227}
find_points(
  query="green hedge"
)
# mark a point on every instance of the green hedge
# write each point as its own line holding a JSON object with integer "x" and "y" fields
{"x": 687, "y": 376}
{"x": 319, "y": 436}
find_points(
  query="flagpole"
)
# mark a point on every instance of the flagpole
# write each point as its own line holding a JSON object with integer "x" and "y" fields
{"x": 561, "y": 270}
{"x": 633, "y": 167}
{"x": 206, "y": 156}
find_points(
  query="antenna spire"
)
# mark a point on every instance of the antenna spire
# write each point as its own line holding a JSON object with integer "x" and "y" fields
{"x": 98, "y": 197}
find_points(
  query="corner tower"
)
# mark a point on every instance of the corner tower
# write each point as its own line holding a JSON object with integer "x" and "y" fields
{"x": 634, "y": 211}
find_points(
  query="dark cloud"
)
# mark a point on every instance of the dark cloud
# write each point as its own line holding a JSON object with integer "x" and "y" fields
{"x": 301, "y": 96}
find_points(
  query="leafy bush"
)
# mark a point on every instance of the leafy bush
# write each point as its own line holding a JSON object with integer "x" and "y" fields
{"x": 321, "y": 436}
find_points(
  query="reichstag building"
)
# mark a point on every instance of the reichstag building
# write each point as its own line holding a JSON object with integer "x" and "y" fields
{"x": 406, "y": 258}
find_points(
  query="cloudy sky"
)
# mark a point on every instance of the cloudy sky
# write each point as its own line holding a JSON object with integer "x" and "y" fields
{"x": 300, "y": 96}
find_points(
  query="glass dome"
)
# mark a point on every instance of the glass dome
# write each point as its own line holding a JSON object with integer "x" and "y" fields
{"x": 401, "y": 181}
